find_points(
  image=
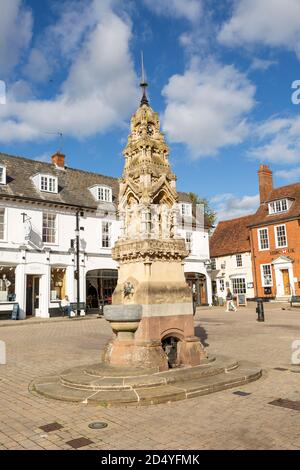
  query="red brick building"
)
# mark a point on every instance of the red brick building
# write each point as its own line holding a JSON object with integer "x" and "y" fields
{"x": 275, "y": 239}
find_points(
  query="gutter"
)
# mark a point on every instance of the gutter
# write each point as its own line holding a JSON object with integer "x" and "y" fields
{"x": 43, "y": 201}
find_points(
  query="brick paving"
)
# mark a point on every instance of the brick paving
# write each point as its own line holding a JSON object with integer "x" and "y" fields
{"x": 223, "y": 420}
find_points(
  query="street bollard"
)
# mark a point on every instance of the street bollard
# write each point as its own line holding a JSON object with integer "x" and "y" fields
{"x": 260, "y": 310}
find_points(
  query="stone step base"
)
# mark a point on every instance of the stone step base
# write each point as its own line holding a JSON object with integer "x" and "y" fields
{"x": 101, "y": 377}
{"x": 145, "y": 389}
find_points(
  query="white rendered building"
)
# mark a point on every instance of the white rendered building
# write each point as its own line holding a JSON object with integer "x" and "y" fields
{"x": 40, "y": 205}
{"x": 231, "y": 260}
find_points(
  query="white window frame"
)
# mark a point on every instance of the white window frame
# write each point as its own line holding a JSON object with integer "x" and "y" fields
{"x": 4, "y": 224}
{"x": 222, "y": 285}
{"x": 55, "y": 228}
{"x": 259, "y": 239}
{"x": 240, "y": 258}
{"x": 243, "y": 283}
{"x": 213, "y": 264}
{"x": 276, "y": 236}
{"x": 276, "y": 207}
{"x": 106, "y": 193}
{"x": 109, "y": 234}
{"x": 51, "y": 183}
{"x": 3, "y": 177}
{"x": 189, "y": 240}
{"x": 262, "y": 275}
{"x": 185, "y": 209}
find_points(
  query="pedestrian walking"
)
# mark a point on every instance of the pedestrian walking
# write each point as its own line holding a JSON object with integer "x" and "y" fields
{"x": 229, "y": 301}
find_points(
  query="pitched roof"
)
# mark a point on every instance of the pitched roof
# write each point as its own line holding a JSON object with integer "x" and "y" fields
{"x": 73, "y": 184}
{"x": 292, "y": 191}
{"x": 231, "y": 237}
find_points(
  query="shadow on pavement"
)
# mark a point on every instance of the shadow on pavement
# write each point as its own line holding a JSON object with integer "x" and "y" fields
{"x": 202, "y": 334}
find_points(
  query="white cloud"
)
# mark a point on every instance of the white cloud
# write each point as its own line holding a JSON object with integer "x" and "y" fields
{"x": 2, "y": 92}
{"x": 15, "y": 33}
{"x": 291, "y": 175}
{"x": 278, "y": 141}
{"x": 188, "y": 9}
{"x": 207, "y": 107}
{"x": 262, "y": 64}
{"x": 269, "y": 22}
{"x": 98, "y": 93}
{"x": 229, "y": 206}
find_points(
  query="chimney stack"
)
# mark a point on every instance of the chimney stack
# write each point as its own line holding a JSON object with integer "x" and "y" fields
{"x": 265, "y": 179}
{"x": 58, "y": 159}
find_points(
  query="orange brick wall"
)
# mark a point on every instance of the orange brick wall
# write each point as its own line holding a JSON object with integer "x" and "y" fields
{"x": 266, "y": 257}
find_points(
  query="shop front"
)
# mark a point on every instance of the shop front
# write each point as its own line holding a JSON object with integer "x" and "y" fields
{"x": 198, "y": 285}
{"x": 100, "y": 285}
{"x": 7, "y": 290}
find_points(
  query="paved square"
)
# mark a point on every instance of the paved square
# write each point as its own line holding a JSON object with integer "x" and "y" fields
{"x": 223, "y": 420}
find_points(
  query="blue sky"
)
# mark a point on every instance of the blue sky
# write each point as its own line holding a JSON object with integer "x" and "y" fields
{"x": 220, "y": 75}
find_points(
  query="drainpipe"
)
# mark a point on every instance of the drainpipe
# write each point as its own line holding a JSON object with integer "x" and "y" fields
{"x": 254, "y": 266}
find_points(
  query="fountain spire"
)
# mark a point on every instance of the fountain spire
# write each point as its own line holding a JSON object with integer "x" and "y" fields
{"x": 143, "y": 83}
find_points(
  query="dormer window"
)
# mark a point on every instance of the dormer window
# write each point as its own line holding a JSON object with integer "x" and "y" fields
{"x": 102, "y": 193}
{"x": 2, "y": 175}
{"x": 186, "y": 209}
{"x": 282, "y": 205}
{"x": 48, "y": 183}
{"x": 45, "y": 183}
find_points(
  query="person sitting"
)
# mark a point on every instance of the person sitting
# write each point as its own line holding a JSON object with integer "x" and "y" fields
{"x": 65, "y": 303}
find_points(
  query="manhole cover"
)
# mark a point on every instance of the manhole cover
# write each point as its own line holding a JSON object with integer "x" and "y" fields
{"x": 285, "y": 403}
{"x": 241, "y": 394}
{"x": 51, "y": 427}
{"x": 80, "y": 442}
{"x": 98, "y": 425}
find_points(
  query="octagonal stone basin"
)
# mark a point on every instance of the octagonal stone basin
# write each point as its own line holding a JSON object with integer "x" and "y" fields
{"x": 124, "y": 319}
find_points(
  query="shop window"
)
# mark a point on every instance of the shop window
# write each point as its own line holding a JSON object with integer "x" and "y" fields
{"x": 58, "y": 283}
{"x": 239, "y": 285}
{"x": 7, "y": 284}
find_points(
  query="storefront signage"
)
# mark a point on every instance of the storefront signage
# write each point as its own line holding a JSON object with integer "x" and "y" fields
{"x": 34, "y": 268}
{"x": 282, "y": 252}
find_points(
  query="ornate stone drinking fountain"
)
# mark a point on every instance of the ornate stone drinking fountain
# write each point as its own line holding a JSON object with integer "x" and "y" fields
{"x": 154, "y": 355}
{"x": 150, "y": 254}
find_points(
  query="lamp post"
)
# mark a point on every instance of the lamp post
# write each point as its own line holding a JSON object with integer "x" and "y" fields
{"x": 77, "y": 262}
{"x": 76, "y": 248}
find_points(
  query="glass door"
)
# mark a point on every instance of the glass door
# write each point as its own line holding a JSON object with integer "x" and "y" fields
{"x": 36, "y": 294}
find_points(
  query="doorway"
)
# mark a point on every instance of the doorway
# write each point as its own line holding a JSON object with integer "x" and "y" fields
{"x": 197, "y": 283}
{"x": 286, "y": 281}
{"x": 32, "y": 295}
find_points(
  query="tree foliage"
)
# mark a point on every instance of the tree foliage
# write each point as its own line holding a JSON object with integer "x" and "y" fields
{"x": 209, "y": 213}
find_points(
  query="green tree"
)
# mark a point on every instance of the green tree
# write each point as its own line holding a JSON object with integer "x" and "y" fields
{"x": 209, "y": 213}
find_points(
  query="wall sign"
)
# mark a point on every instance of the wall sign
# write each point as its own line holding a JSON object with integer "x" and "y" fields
{"x": 241, "y": 300}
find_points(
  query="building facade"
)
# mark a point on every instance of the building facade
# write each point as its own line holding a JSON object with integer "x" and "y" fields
{"x": 259, "y": 255}
{"x": 44, "y": 209}
{"x": 275, "y": 239}
{"x": 231, "y": 259}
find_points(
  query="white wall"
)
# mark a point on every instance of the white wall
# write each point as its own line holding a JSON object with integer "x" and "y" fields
{"x": 35, "y": 257}
{"x": 231, "y": 270}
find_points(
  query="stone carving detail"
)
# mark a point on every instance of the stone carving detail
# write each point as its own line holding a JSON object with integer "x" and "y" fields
{"x": 148, "y": 197}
